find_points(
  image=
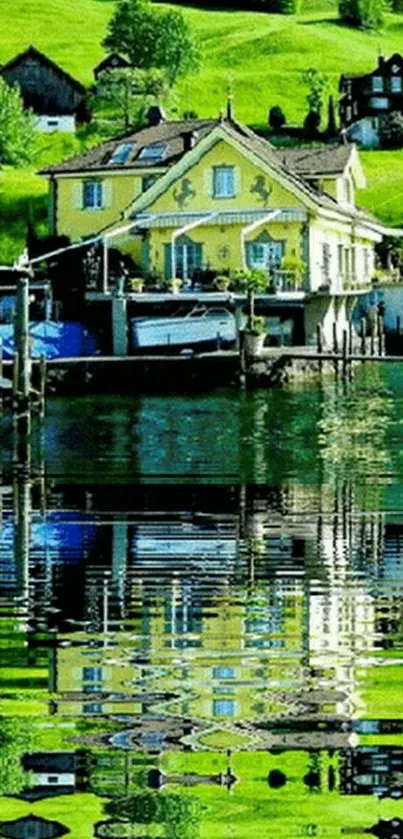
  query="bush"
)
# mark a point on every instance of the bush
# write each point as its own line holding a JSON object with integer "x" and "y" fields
{"x": 365, "y": 14}
{"x": 276, "y": 117}
{"x": 392, "y": 130}
{"x": 312, "y": 123}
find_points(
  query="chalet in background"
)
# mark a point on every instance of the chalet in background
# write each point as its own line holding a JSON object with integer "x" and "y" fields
{"x": 110, "y": 63}
{"x": 57, "y": 98}
{"x": 368, "y": 97}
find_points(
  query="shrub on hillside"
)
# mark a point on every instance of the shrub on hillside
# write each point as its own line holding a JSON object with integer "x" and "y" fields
{"x": 311, "y": 124}
{"x": 276, "y": 117}
{"x": 392, "y": 130}
{"x": 364, "y": 14}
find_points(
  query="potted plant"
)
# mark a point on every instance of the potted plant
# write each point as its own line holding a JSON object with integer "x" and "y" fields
{"x": 136, "y": 284}
{"x": 295, "y": 267}
{"x": 175, "y": 284}
{"x": 255, "y": 335}
{"x": 222, "y": 282}
{"x": 250, "y": 280}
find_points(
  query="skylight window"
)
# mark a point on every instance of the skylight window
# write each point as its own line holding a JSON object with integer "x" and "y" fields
{"x": 121, "y": 154}
{"x": 153, "y": 152}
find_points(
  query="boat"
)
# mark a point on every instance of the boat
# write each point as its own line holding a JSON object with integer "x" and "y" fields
{"x": 199, "y": 326}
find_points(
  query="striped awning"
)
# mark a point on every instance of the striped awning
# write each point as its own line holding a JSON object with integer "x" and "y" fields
{"x": 145, "y": 221}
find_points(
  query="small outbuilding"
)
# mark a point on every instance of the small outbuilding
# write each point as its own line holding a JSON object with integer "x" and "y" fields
{"x": 58, "y": 100}
{"x": 114, "y": 61}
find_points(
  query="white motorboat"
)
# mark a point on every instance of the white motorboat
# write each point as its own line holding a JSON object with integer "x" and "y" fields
{"x": 199, "y": 326}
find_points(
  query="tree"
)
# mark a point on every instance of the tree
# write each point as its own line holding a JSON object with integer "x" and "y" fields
{"x": 392, "y": 130}
{"x": 365, "y": 14}
{"x": 317, "y": 83}
{"x": 17, "y": 128}
{"x": 152, "y": 37}
{"x": 282, "y": 7}
{"x": 128, "y": 90}
{"x": 276, "y": 117}
{"x": 179, "y": 814}
{"x": 331, "y": 129}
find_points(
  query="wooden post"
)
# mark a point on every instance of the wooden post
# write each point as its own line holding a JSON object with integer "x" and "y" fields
{"x": 380, "y": 335}
{"x": 105, "y": 265}
{"x": 363, "y": 332}
{"x": 319, "y": 342}
{"x": 42, "y": 385}
{"x": 372, "y": 339}
{"x": 335, "y": 349}
{"x": 251, "y": 307}
{"x": 345, "y": 353}
{"x": 238, "y": 324}
{"x": 350, "y": 338}
{"x": 22, "y": 339}
{"x": 335, "y": 341}
{"x": 15, "y": 377}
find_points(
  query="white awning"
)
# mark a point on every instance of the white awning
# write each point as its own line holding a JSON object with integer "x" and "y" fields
{"x": 145, "y": 221}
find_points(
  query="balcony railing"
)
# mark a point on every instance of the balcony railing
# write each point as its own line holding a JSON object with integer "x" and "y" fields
{"x": 284, "y": 281}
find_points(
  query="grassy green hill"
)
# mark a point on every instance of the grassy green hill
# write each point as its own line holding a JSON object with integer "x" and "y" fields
{"x": 264, "y": 54}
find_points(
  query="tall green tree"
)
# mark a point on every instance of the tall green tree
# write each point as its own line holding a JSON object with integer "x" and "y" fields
{"x": 317, "y": 84}
{"x": 152, "y": 37}
{"x": 17, "y": 128}
{"x": 128, "y": 91}
{"x": 364, "y": 14}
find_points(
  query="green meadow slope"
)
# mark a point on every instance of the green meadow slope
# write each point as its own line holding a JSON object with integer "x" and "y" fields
{"x": 264, "y": 55}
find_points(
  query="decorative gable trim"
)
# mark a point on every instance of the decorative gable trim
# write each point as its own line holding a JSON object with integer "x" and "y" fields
{"x": 217, "y": 135}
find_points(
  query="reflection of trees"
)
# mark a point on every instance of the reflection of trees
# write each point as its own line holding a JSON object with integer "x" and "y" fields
{"x": 352, "y": 436}
{"x": 179, "y": 814}
{"x": 16, "y": 738}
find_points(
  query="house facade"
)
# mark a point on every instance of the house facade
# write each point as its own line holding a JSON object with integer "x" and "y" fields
{"x": 57, "y": 99}
{"x": 367, "y": 98}
{"x": 184, "y": 197}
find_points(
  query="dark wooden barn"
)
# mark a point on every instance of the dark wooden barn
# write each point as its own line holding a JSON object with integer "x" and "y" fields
{"x": 52, "y": 93}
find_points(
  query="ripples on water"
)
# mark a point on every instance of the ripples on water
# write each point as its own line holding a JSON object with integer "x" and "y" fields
{"x": 201, "y": 616}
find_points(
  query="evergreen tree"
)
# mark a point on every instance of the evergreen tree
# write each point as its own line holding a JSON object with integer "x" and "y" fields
{"x": 331, "y": 129}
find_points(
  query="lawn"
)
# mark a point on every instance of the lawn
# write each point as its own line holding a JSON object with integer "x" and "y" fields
{"x": 263, "y": 54}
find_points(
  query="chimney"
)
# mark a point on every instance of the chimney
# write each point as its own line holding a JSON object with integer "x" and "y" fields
{"x": 189, "y": 140}
{"x": 155, "y": 115}
{"x": 381, "y": 61}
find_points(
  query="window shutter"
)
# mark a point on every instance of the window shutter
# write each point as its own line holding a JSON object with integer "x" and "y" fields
{"x": 107, "y": 194}
{"x": 209, "y": 181}
{"x": 77, "y": 195}
{"x": 237, "y": 180}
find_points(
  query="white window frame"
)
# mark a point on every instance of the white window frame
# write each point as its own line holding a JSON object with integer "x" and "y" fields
{"x": 265, "y": 255}
{"x": 378, "y": 84}
{"x": 224, "y": 182}
{"x": 396, "y": 84}
{"x": 94, "y": 190}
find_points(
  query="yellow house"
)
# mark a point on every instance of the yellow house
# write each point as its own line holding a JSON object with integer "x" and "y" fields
{"x": 181, "y": 197}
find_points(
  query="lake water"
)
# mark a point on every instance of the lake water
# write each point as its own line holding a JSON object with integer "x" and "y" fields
{"x": 201, "y": 615}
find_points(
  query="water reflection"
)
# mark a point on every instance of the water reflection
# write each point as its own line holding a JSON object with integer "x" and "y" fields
{"x": 215, "y": 641}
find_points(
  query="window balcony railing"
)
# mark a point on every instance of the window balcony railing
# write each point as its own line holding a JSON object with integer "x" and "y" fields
{"x": 284, "y": 281}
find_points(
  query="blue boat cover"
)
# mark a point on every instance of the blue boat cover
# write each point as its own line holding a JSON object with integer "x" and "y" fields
{"x": 52, "y": 339}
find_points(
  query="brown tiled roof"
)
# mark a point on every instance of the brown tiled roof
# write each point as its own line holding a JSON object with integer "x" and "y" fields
{"x": 169, "y": 134}
{"x": 331, "y": 160}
